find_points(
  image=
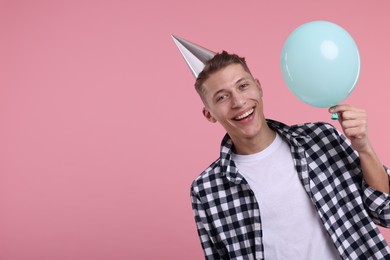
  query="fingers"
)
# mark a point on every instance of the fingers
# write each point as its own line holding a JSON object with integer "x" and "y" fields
{"x": 354, "y": 124}
{"x": 347, "y": 109}
{"x": 355, "y": 132}
{"x": 348, "y": 112}
{"x": 353, "y": 120}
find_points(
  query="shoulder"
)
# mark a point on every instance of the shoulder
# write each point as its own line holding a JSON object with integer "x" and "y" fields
{"x": 315, "y": 129}
{"x": 323, "y": 137}
{"x": 312, "y": 130}
{"x": 320, "y": 134}
{"x": 208, "y": 179}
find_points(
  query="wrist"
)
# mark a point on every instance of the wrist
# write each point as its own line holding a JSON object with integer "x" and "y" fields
{"x": 365, "y": 148}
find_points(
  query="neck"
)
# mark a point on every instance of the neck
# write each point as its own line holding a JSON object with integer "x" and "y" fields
{"x": 255, "y": 144}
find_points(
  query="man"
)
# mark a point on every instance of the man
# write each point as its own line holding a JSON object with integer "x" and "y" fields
{"x": 285, "y": 192}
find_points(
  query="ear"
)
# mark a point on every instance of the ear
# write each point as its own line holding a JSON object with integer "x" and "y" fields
{"x": 208, "y": 115}
{"x": 259, "y": 86}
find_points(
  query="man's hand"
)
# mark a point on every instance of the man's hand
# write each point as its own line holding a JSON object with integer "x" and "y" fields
{"x": 354, "y": 124}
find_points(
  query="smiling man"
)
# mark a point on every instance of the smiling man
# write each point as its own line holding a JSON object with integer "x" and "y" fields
{"x": 285, "y": 192}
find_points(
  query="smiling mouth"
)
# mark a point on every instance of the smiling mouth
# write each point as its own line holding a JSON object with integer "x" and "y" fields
{"x": 244, "y": 115}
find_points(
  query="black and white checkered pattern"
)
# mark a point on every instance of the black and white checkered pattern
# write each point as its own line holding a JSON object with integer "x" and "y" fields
{"x": 228, "y": 217}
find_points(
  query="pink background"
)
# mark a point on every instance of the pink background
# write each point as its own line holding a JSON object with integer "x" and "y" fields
{"x": 101, "y": 132}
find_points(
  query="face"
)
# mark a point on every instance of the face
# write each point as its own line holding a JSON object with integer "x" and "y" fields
{"x": 234, "y": 99}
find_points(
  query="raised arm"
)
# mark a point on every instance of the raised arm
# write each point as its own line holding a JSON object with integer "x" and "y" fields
{"x": 354, "y": 124}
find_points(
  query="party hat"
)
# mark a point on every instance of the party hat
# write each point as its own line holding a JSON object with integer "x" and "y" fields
{"x": 195, "y": 55}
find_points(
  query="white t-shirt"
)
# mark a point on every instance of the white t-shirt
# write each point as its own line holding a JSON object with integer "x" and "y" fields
{"x": 291, "y": 226}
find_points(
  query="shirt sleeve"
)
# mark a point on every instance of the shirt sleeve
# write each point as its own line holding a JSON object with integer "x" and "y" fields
{"x": 378, "y": 203}
{"x": 204, "y": 228}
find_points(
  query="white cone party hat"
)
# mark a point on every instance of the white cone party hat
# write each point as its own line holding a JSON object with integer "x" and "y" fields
{"x": 195, "y": 55}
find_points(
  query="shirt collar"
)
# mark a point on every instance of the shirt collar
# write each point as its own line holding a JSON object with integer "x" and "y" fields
{"x": 293, "y": 135}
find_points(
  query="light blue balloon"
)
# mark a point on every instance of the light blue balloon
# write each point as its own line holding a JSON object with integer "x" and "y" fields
{"x": 320, "y": 63}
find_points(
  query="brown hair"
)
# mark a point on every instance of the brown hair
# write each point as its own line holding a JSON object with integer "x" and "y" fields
{"x": 219, "y": 61}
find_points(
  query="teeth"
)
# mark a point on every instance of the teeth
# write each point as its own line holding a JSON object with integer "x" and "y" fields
{"x": 244, "y": 115}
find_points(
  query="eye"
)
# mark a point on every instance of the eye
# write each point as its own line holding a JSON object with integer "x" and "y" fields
{"x": 221, "y": 97}
{"x": 244, "y": 85}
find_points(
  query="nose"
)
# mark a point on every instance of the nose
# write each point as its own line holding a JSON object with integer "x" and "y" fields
{"x": 238, "y": 100}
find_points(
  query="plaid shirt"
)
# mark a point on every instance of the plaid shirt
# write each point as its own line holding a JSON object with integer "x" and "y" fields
{"x": 228, "y": 217}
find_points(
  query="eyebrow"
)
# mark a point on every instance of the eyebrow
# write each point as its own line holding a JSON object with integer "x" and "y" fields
{"x": 241, "y": 79}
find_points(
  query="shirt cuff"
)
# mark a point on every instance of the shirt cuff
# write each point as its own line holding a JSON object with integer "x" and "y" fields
{"x": 376, "y": 200}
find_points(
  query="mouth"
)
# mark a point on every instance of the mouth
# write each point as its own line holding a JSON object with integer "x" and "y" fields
{"x": 244, "y": 115}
